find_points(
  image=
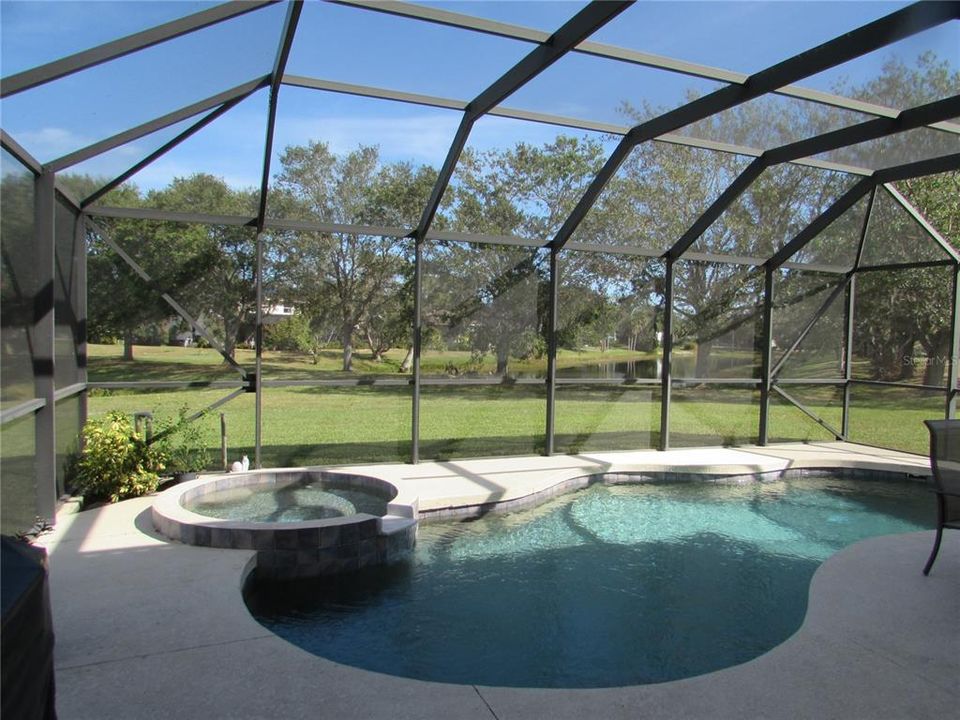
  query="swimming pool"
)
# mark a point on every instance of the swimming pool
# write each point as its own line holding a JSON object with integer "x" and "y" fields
{"x": 607, "y": 586}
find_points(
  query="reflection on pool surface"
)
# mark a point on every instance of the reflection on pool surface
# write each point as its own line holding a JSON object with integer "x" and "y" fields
{"x": 607, "y": 586}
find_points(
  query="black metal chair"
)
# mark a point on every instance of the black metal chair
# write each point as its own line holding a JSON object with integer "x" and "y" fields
{"x": 945, "y": 463}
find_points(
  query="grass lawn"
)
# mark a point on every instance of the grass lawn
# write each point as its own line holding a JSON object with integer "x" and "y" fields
{"x": 363, "y": 423}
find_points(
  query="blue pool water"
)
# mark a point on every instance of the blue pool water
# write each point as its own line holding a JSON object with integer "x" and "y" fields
{"x": 608, "y": 586}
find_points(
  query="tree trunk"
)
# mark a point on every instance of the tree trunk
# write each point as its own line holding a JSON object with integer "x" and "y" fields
{"x": 703, "y": 358}
{"x": 230, "y": 331}
{"x": 892, "y": 359}
{"x": 230, "y": 345}
{"x": 128, "y": 345}
{"x": 935, "y": 370}
{"x": 502, "y": 361}
{"x": 346, "y": 337}
{"x": 375, "y": 349}
{"x": 407, "y": 360}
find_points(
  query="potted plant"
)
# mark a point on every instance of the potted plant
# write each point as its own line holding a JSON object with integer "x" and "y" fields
{"x": 185, "y": 444}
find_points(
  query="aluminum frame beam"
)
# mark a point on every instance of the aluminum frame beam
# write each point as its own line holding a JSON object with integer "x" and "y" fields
{"x": 417, "y": 349}
{"x": 821, "y": 311}
{"x": 880, "y": 33}
{"x": 276, "y": 78}
{"x": 766, "y": 374}
{"x": 27, "y": 407}
{"x": 43, "y": 348}
{"x": 861, "y": 188}
{"x": 933, "y": 166}
{"x": 553, "y": 308}
{"x": 432, "y": 236}
{"x": 734, "y": 190}
{"x": 922, "y": 221}
{"x": 27, "y": 79}
{"x": 912, "y": 119}
{"x": 294, "y": 9}
{"x": 378, "y": 93}
{"x": 953, "y": 384}
{"x": 625, "y": 55}
{"x": 850, "y": 315}
{"x": 142, "y": 213}
{"x": 165, "y": 148}
{"x": 17, "y": 150}
{"x": 666, "y": 361}
{"x": 822, "y": 221}
{"x": 171, "y": 118}
{"x": 167, "y": 298}
{"x": 584, "y": 23}
{"x": 862, "y": 132}
{"x": 808, "y": 412}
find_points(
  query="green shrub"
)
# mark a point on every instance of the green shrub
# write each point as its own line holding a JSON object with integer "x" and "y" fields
{"x": 291, "y": 333}
{"x": 185, "y": 444}
{"x": 116, "y": 462}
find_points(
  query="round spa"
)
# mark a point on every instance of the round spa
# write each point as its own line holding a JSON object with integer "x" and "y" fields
{"x": 302, "y": 522}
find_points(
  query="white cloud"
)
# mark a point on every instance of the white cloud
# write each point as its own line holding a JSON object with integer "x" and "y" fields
{"x": 51, "y": 142}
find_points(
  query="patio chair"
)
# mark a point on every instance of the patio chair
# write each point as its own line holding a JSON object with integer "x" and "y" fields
{"x": 945, "y": 463}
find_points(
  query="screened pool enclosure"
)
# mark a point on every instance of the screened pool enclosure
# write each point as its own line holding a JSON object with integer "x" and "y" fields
{"x": 356, "y": 231}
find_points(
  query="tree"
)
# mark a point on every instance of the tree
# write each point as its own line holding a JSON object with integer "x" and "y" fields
{"x": 119, "y": 302}
{"x": 362, "y": 281}
{"x": 900, "y": 309}
{"x": 209, "y": 269}
{"x": 494, "y": 297}
{"x": 665, "y": 188}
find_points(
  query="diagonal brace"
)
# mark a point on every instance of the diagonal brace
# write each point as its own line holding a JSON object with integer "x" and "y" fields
{"x": 570, "y": 34}
{"x": 196, "y": 324}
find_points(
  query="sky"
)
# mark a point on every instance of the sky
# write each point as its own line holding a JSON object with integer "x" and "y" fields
{"x": 350, "y": 45}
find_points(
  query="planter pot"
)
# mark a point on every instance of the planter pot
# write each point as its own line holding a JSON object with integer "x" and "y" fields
{"x": 184, "y": 476}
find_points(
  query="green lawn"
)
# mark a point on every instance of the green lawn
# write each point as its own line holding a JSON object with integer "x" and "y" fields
{"x": 364, "y": 423}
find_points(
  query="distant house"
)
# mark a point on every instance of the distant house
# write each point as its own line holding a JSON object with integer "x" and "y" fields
{"x": 278, "y": 311}
{"x": 272, "y": 314}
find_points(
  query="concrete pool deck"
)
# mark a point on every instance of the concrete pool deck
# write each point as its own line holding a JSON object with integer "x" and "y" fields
{"x": 148, "y": 628}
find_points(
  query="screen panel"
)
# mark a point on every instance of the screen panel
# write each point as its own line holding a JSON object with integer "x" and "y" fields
{"x": 893, "y": 417}
{"x": 335, "y": 425}
{"x": 606, "y": 417}
{"x": 20, "y": 280}
{"x": 484, "y": 311}
{"x": 68, "y": 330}
{"x": 704, "y": 415}
{"x": 18, "y": 491}
{"x": 717, "y": 320}
{"x": 902, "y": 324}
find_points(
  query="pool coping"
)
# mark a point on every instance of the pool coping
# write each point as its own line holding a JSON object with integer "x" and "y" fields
{"x": 878, "y": 641}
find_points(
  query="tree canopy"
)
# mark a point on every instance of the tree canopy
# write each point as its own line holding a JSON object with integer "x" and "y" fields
{"x": 355, "y": 287}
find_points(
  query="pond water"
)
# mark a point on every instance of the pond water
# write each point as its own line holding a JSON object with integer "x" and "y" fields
{"x": 683, "y": 366}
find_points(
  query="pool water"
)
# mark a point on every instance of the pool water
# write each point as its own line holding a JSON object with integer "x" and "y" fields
{"x": 608, "y": 586}
{"x": 293, "y": 502}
